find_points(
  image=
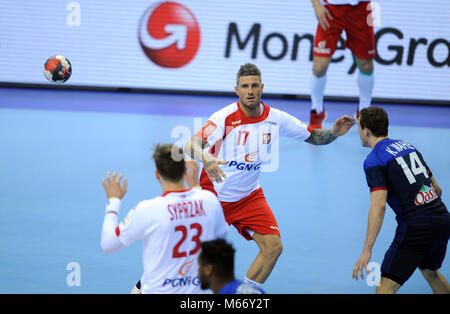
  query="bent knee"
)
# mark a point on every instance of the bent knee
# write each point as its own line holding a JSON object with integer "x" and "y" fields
{"x": 319, "y": 70}
{"x": 272, "y": 248}
{"x": 366, "y": 66}
{"x": 387, "y": 286}
{"x": 320, "y": 66}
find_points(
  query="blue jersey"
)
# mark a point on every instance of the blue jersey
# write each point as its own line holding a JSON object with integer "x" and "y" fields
{"x": 239, "y": 287}
{"x": 399, "y": 168}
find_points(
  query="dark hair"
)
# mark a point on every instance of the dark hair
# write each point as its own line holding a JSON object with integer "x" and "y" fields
{"x": 248, "y": 69}
{"x": 220, "y": 255}
{"x": 169, "y": 162}
{"x": 375, "y": 119}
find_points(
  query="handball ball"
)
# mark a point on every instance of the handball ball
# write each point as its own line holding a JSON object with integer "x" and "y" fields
{"x": 57, "y": 69}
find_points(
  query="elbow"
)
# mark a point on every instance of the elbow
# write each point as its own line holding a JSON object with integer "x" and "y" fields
{"x": 188, "y": 148}
{"x": 108, "y": 249}
{"x": 378, "y": 210}
{"x": 382, "y": 209}
{"x": 438, "y": 191}
{"x": 104, "y": 247}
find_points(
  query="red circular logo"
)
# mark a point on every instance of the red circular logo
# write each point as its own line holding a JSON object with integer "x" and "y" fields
{"x": 169, "y": 34}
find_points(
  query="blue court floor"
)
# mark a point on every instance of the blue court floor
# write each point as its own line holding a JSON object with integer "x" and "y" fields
{"x": 57, "y": 145}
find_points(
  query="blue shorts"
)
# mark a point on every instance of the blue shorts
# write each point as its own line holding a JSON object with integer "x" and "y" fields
{"x": 415, "y": 247}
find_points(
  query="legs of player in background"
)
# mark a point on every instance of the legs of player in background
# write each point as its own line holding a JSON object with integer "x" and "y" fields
{"x": 318, "y": 83}
{"x": 437, "y": 282}
{"x": 366, "y": 81}
{"x": 387, "y": 286}
{"x": 136, "y": 289}
{"x": 270, "y": 249}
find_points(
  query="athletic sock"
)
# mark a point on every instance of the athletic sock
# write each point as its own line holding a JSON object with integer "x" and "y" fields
{"x": 317, "y": 91}
{"x": 254, "y": 283}
{"x": 365, "y": 84}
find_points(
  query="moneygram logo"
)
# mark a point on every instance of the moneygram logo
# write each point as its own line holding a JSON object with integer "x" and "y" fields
{"x": 169, "y": 34}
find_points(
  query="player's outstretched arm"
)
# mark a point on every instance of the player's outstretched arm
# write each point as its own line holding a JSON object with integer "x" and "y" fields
{"x": 323, "y": 137}
{"x": 374, "y": 223}
{"x": 191, "y": 175}
{"x": 195, "y": 149}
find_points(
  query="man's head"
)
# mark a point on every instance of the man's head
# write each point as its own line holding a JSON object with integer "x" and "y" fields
{"x": 169, "y": 161}
{"x": 373, "y": 122}
{"x": 249, "y": 86}
{"x": 215, "y": 263}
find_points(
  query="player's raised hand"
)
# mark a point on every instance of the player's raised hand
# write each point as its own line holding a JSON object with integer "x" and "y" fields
{"x": 361, "y": 263}
{"x": 322, "y": 14}
{"x": 113, "y": 187}
{"x": 212, "y": 169}
{"x": 191, "y": 176}
{"x": 342, "y": 125}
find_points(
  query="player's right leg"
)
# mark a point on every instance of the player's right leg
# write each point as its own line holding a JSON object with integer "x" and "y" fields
{"x": 317, "y": 87}
{"x": 437, "y": 281}
{"x": 325, "y": 43}
{"x": 254, "y": 220}
{"x": 387, "y": 286}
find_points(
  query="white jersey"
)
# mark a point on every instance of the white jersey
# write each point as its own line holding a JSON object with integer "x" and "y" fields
{"x": 250, "y": 145}
{"x": 172, "y": 227}
{"x": 342, "y": 2}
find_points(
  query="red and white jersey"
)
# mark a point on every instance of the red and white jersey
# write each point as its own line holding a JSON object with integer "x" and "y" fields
{"x": 172, "y": 227}
{"x": 342, "y": 2}
{"x": 250, "y": 145}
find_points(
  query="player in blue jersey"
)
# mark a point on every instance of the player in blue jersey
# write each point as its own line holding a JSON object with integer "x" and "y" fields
{"x": 397, "y": 174}
{"x": 216, "y": 269}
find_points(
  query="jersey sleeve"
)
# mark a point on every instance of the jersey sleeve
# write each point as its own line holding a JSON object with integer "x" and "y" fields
{"x": 376, "y": 177}
{"x": 213, "y": 130}
{"x": 293, "y": 127}
{"x": 132, "y": 227}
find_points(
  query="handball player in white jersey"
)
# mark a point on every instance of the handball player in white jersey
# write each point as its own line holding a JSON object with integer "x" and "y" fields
{"x": 172, "y": 225}
{"x": 233, "y": 145}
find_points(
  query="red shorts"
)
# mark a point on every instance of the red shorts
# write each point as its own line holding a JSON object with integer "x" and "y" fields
{"x": 352, "y": 19}
{"x": 252, "y": 213}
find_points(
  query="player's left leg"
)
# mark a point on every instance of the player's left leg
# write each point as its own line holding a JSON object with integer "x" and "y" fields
{"x": 387, "y": 286}
{"x": 366, "y": 81}
{"x": 270, "y": 249}
{"x": 434, "y": 259}
{"x": 437, "y": 281}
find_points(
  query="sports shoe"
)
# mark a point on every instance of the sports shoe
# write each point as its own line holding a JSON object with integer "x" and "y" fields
{"x": 316, "y": 119}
